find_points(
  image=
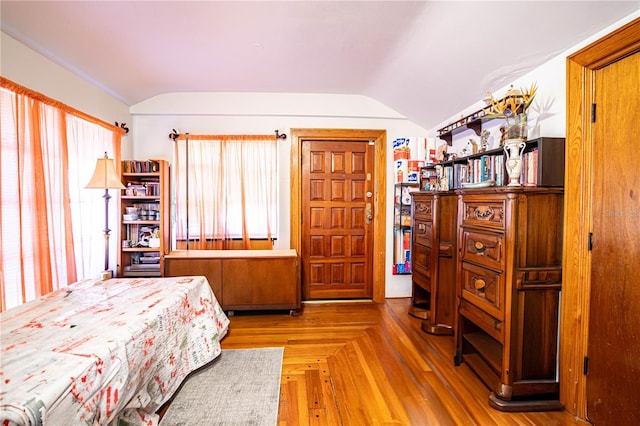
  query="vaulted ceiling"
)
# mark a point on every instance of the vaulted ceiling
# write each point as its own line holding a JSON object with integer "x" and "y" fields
{"x": 425, "y": 59}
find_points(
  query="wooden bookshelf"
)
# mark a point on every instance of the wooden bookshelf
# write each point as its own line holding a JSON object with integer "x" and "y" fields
{"x": 145, "y": 236}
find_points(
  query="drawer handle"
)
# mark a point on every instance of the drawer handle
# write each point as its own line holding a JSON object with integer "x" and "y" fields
{"x": 480, "y": 284}
{"x": 479, "y": 246}
{"x": 483, "y": 212}
{"x": 422, "y": 208}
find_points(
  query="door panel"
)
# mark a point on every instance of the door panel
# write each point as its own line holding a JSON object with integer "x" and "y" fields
{"x": 337, "y": 183}
{"x": 613, "y": 389}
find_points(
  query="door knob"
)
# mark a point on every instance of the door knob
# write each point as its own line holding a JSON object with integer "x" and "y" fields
{"x": 368, "y": 213}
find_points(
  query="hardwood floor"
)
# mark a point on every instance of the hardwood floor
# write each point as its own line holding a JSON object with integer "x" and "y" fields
{"x": 370, "y": 364}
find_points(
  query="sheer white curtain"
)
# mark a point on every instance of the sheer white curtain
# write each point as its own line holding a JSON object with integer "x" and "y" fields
{"x": 88, "y": 142}
{"x": 232, "y": 189}
{"x": 50, "y": 226}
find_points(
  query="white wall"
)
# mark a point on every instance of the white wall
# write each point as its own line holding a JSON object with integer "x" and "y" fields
{"x": 254, "y": 113}
{"x": 547, "y": 115}
{"x": 28, "y": 68}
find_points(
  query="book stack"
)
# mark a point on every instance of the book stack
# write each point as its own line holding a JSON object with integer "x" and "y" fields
{"x": 142, "y": 270}
{"x": 132, "y": 166}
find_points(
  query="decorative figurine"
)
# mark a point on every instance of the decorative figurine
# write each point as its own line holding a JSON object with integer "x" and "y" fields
{"x": 484, "y": 140}
{"x": 470, "y": 148}
{"x": 441, "y": 152}
{"x": 503, "y": 135}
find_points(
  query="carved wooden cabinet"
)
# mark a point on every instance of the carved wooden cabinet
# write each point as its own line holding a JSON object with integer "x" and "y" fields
{"x": 433, "y": 258}
{"x": 509, "y": 279}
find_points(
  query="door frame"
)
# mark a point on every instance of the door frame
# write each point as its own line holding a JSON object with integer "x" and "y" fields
{"x": 379, "y": 190}
{"x": 576, "y": 287}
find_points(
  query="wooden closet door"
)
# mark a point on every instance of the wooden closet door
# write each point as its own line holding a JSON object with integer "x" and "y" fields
{"x": 613, "y": 388}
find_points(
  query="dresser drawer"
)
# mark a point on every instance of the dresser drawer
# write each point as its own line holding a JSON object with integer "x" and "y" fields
{"x": 423, "y": 209}
{"x": 484, "y": 213}
{"x": 423, "y": 232}
{"x": 484, "y": 288}
{"x": 488, "y": 323}
{"x": 484, "y": 248}
{"x": 421, "y": 260}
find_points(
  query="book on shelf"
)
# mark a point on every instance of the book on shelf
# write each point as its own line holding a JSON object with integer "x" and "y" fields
{"x": 530, "y": 168}
{"x": 133, "y": 166}
{"x": 141, "y": 272}
{"x": 142, "y": 267}
{"x": 500, "y": 171}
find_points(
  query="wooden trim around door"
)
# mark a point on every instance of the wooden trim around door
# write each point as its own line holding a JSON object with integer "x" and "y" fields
{"x": 576, "y": 286}
{"x": 380, "y": 193}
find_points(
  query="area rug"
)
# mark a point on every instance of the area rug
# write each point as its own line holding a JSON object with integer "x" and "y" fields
{"x": 240, "y": 387}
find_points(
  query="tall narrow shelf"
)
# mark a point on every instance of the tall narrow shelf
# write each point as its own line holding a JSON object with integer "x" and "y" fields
{"x": 144, "y": 218}
{"x": 402, "y": 227}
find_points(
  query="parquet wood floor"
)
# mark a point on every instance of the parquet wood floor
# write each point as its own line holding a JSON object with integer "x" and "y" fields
{"x": 371, "y": 364}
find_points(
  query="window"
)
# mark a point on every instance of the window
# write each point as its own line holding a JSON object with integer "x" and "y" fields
{"x": 49, "y": 225}
{"x": 226, "y": 189}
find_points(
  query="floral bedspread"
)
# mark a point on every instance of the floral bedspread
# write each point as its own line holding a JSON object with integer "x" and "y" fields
{"x": 105, "y": 352}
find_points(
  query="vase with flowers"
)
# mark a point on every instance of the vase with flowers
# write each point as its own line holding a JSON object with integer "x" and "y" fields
{"x": 513, "y": 109}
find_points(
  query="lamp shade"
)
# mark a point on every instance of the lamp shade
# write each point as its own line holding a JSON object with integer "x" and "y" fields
{"x": 105, "y": 176}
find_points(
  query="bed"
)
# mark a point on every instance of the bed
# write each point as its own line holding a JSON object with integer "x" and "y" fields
{"x": 104, "y": 352}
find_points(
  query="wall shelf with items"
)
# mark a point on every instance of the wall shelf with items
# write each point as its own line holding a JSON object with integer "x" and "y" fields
{"x": 402, "y": 227}
{"x": 144, "y": 226}
{"x": 473, "y": 121}
{"x": 543, "y": 165}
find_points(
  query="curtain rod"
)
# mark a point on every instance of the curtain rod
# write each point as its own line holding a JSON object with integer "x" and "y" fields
{"x": 174, "y": 135}
{"x": 22, "y": 90}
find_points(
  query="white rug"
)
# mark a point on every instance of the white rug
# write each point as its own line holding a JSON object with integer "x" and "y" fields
{"x": 240, "y": 387}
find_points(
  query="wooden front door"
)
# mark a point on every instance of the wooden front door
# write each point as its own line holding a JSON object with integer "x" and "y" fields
{"x": 337, "y": 217}
{"x": 613, "y": 389}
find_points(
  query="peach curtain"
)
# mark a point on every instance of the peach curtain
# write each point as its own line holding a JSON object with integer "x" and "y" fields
{"x": 232, "y": 189}
{"x": 48, "y": 220}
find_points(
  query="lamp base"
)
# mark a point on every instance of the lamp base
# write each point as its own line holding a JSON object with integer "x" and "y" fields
{"x": 106, "y": 275}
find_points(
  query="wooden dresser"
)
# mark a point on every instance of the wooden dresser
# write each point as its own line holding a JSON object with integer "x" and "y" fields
{"x": 434, "y": 255}
{"x": 509, "y": 282}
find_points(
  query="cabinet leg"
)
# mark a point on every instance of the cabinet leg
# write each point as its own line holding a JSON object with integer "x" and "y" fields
{"x": 457, "y": 357}
{"x": 420, "y": 313}
{"x": 524, "y": 405}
